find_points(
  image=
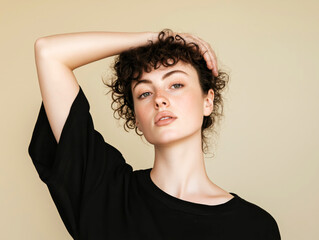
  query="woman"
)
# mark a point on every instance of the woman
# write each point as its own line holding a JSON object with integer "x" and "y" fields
{"x": 167, "y": 87}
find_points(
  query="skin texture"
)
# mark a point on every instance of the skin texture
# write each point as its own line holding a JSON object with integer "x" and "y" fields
{"x": 179, "y": 167}
{"x": 179, "y": 93}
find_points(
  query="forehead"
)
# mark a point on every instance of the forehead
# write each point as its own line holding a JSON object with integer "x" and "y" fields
{"x": 162, "y": 70}
{"x": 187, "y": 67}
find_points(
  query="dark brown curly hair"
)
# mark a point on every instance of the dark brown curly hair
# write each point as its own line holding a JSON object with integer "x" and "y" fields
{"x": 167, "y": 51}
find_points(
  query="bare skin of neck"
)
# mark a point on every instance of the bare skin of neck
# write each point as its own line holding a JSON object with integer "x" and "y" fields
{"x": 179, "y": 170}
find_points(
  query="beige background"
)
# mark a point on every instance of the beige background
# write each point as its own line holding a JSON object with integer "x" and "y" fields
{"x": 267, "y": 151}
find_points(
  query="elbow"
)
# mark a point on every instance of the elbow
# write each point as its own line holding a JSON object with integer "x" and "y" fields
{"x": 39, "y": 44}
{"x": 41, "y": 47}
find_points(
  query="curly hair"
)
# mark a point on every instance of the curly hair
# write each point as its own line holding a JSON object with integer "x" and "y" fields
{"x": 167, "y": 51}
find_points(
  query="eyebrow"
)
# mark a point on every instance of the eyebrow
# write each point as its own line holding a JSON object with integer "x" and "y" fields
{"x": 166, "y": 75}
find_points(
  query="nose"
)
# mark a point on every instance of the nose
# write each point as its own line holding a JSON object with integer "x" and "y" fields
{"x": 161, "y": 101}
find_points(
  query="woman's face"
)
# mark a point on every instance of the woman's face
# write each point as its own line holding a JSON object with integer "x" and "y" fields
{"x": 169, "y": 104}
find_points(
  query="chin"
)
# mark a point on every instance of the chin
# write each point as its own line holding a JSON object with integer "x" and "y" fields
{"x": 167, "y": 138}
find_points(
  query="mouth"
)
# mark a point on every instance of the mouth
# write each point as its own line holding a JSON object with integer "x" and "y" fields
{"x": 165, "y": 121}
{"x": 163, "y": 115}
{"x": 164, "y": 118}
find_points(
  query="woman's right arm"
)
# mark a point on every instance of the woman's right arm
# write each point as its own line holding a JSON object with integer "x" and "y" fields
{"x": 57, "y": 56}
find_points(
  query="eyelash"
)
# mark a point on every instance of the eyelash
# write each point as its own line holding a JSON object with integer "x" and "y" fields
{"x": 181, "y": 85}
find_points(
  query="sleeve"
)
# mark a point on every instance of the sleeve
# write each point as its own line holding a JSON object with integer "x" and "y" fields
{"x": 273, "y": 232}
{"x": 78, "y": 164}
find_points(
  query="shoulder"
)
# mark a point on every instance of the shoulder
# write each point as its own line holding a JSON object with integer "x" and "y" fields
{"x": 253, "y": 210}
{"x": 257, "y": 214}
{"x": 255, "y": 220}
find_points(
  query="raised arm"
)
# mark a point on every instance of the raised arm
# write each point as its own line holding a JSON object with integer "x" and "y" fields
{"x": 57, "y": 56}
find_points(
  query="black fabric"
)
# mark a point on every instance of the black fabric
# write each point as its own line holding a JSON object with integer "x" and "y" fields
{"x": 99, "y": 196}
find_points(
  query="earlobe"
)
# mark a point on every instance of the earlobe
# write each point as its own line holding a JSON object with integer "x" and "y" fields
{"x": 138, "y": 125}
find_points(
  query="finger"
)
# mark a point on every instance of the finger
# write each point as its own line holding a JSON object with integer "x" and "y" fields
{"x": 211, "y": 53}
{"x": 213, "y": 59}
{"x": 210, "y": 58}
{"x": 207, "y": 52}
{"x": 215, "y": 63}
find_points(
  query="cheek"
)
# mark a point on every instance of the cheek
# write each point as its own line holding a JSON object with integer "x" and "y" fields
{"x": 141, "y": 113}
{"x": 192, "y": 110}
{"x": 193, "y": 104}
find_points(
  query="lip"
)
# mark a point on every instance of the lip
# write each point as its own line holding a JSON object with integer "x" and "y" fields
{"x": 165, "y": 122}
{"x": 162, "y": 115}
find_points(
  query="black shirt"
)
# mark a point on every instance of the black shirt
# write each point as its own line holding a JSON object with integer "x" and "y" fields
{"x": 99, "y": 196}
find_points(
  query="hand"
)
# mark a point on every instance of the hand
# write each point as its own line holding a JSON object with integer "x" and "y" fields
{"x": 206, "y": 50}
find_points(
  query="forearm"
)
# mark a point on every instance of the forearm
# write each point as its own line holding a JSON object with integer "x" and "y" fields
{"x": 77, "y": 49}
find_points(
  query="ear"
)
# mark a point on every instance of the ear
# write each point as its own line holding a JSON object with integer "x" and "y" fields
{"x": 209, "y": 102}
{"x": 138, "y": 127}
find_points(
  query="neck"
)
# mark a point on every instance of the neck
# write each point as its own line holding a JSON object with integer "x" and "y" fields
{"x": 179, "y": 168}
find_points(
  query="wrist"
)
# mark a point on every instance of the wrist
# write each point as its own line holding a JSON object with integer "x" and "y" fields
{"x": 152, "y": 36}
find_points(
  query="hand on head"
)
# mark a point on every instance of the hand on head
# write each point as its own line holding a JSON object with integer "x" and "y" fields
{"x": 206, "y": 50}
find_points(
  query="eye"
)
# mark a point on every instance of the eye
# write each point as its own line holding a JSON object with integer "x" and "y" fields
{"x": 177, "y": 85}
{"x": 144, "y": 95}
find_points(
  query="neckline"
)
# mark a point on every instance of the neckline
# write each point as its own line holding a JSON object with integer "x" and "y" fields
{"x": 187, "y": 206}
